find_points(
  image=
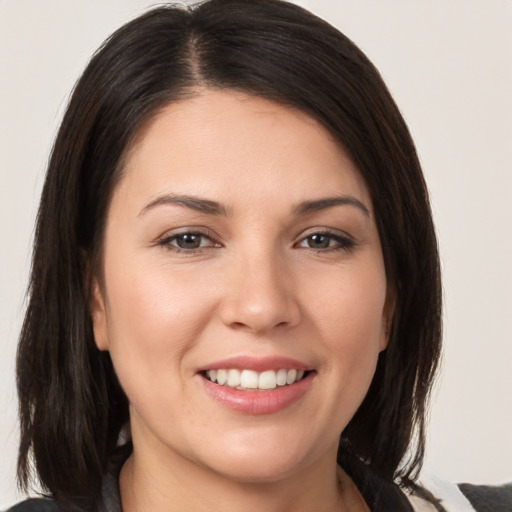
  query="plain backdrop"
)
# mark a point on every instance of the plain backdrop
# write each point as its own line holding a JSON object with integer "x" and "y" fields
{"x": 448, "y": 63}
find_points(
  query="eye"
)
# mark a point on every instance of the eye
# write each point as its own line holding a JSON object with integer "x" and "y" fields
{"x": 187, "y": 241}
{"x": 325, "y": 241}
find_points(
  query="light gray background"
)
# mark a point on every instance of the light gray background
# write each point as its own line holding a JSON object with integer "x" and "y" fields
{"x": 448, "y": 64}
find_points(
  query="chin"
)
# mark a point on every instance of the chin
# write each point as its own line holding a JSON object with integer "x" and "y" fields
{"x": 259, "y": 462}
{"x": 250, "y": 471}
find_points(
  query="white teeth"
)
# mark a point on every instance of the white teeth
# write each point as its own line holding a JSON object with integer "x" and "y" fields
{"x": 267, "y": 380}
{"x": 292, "y": 375}
{"x": 222, "y": 376}
{"x": 249, "y": 379}
{"x": 233, "y": 378}
{"x": 281, "y": 377}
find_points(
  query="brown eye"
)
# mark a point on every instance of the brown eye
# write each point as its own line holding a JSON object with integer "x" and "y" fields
{"x": 326, "y": 242}
{"x": 188, "y": 240}
{"x": 318, "y": 241}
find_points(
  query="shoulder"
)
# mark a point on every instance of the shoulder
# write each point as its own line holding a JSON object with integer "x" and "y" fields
{"x": 463, "y": 497}
{"x": 110, "y": 500}
{"x": 487, "y": 498}
{"x": 36, "y": 505}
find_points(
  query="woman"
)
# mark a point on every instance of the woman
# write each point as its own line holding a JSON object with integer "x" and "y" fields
{"x": 235, "y": 276}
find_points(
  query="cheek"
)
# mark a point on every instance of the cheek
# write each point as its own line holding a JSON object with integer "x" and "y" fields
{"x": 349, "y": 315}
{"x": 154, "y": 318}
{"x": 350, "y": 307}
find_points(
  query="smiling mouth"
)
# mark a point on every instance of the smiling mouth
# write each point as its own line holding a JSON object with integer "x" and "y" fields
{"x": 250, "y": 380}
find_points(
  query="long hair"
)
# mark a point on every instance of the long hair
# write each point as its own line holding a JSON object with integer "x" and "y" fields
{"x": 72, "y": 408}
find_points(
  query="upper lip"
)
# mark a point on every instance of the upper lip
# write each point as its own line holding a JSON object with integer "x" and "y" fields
{"x": 258, "y": 364}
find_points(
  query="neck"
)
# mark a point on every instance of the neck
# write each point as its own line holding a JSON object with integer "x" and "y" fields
{"x": 173, "y": 483}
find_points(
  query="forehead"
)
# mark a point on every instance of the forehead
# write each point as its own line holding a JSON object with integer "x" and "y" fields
{"x": 219, "y": 142}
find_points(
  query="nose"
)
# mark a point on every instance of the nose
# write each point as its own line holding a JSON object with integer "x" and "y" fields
{"x": 259, "y": 295}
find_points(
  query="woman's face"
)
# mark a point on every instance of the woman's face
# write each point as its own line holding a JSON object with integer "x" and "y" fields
{"x": 241, "y": 244}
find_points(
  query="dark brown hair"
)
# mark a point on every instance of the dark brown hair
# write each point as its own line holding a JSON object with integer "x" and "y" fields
{"x": 71, "y": 405}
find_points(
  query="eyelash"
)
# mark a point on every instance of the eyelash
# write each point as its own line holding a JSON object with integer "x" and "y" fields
{"x": 341, "y": 243}
{"x": 167, "y": 241}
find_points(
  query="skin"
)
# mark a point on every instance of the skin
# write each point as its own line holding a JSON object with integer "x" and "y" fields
{"x": 260, "y": 285}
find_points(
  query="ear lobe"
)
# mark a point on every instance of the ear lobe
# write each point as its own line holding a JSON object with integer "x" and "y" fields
{"x": 384, "y": 336}
{"x": 387, "y": 318}
{"x": 98, "y": 315}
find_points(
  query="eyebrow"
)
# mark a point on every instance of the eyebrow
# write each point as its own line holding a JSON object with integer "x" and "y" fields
{"x": 194, "y": 203}
{"x": 214, "y": 208}
{"x": 317, "y": 205}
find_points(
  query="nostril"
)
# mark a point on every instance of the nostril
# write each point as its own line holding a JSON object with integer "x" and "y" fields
{"x": 242, "y": 325}
{"x": 238, "y": 325}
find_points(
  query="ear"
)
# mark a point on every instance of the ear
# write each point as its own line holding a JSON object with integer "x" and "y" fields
{"x": 98, "y": 314}
{"x": 387, "y": 317}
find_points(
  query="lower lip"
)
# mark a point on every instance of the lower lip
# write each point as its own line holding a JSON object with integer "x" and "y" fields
{"x": 258, "y": 402}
